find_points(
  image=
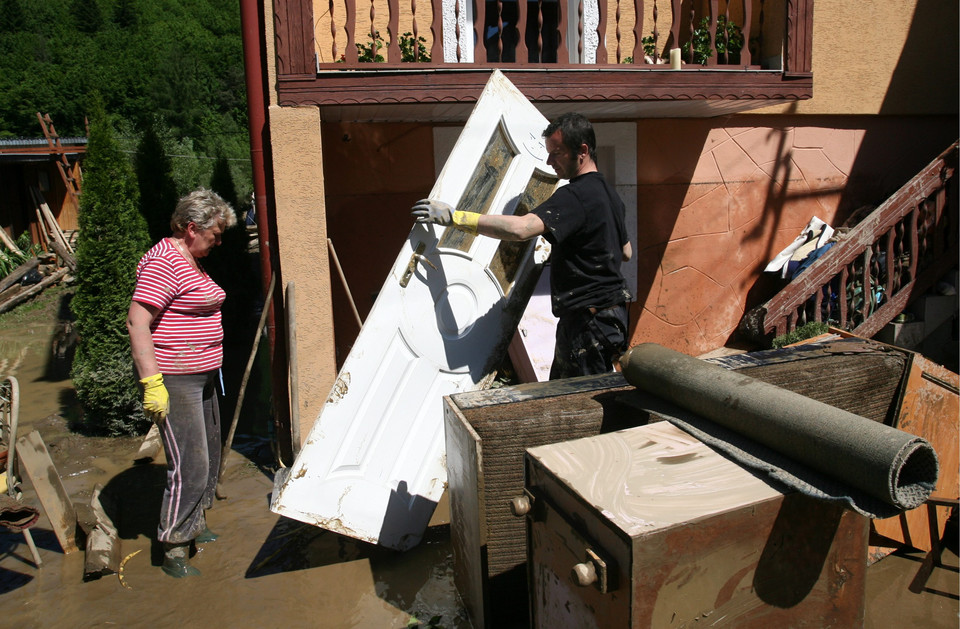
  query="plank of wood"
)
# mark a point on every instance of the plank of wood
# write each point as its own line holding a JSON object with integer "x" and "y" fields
{"x": 18, "y": 273}
{"x": 56, "y": 503}
{"x": 33, "y": 290}
{"x": 53, "y": 227}
{"x": 8, "y": 241}
{"x": 930, "y": 409}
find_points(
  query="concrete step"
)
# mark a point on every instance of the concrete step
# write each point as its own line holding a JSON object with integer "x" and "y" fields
{"x": 929, "y": 326}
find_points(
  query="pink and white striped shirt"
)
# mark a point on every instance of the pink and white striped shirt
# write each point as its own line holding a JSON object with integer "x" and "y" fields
{"x": 187, "y": 334}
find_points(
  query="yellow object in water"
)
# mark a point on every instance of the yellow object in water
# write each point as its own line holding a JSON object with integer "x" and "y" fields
{"x": 3, "y": 483}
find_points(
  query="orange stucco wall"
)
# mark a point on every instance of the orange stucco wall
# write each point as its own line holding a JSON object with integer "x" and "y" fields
{"x": 718, "y": 199}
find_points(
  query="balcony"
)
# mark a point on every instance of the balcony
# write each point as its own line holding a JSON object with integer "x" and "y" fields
{"x": 429, "y": 59}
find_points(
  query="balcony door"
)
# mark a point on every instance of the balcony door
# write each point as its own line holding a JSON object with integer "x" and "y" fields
{"x": 372, "y": 466}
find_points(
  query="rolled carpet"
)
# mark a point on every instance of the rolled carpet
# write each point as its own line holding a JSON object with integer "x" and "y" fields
{"x": 808, "y": 445}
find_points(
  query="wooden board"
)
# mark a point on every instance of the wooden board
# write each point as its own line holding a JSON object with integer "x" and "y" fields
{"x": 929, "y": 410}
{"x": 38, "y": 467}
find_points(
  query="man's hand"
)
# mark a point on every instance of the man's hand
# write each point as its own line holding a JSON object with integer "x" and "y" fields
{"x": 440, "y": 213}
{"x": 432, "y": 211}
{"x": 156, "y": 400}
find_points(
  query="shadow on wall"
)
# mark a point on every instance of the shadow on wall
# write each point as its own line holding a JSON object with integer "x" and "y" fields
{"x": 924, "y": 88}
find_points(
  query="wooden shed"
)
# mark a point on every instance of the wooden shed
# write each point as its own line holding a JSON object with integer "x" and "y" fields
{"x": 48, "y": 167}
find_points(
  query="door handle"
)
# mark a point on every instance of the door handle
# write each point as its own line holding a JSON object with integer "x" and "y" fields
{"x": 416, "y": 257}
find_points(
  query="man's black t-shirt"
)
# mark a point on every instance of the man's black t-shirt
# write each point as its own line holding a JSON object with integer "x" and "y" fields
{"x": 585, "y": 226}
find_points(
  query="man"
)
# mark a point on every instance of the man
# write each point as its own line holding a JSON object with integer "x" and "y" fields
{"x": 584, "y": 223}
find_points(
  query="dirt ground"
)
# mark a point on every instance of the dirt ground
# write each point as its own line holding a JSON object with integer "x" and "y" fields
{"x": 264, "y": 571}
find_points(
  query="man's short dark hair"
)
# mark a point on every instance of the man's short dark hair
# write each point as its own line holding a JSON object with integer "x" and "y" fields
{"x": 575, "y": 130}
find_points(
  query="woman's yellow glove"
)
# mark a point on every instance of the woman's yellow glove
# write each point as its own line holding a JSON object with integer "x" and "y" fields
{"x": 156, "y": 400}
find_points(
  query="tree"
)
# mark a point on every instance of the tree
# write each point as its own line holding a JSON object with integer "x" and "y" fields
{"x": 125, "y": 14}
{"x": 12, "y": 18}
{"x": 113, "y": 237}
{"x": 158, "y": 190}
{"x": 87, "y": 15}
{"x": 232, "y": 267}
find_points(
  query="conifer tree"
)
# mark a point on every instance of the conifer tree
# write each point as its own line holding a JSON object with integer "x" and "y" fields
{"x": 158, "y": 190}
{"x": 112, "y": 238}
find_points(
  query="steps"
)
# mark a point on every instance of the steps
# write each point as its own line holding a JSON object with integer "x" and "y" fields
{"x": 929, "y": 325}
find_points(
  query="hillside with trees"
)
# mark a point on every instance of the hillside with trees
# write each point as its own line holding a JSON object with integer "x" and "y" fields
{"x": 175, "y": 65}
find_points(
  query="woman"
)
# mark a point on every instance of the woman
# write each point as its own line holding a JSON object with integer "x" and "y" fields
{"x": 176, "y": 337}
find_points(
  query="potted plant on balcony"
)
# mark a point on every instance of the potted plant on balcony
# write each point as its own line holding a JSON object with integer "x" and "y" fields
{"x": 729, "y": 41}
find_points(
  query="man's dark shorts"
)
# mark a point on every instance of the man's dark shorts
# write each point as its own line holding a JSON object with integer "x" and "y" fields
{"x": 588, "y": 343}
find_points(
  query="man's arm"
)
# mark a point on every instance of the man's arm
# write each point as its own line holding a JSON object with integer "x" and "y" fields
{"x": 627, "y": 252}
{"x": 510, "y": 227}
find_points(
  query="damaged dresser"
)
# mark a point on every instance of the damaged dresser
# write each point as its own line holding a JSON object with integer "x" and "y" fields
{"x": 648, "y": 527}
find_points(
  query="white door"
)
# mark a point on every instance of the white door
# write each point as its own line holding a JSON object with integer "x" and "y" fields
{"x": 372, "y": 466}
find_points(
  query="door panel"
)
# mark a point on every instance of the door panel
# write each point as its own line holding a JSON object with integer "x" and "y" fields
{"x": 372, "y": 466}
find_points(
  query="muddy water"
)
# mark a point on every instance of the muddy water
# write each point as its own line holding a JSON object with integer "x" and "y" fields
{"x": 264, "y": 571}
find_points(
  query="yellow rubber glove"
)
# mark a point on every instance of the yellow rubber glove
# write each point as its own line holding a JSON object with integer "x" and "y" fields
{"x": 467, "y": 221}
{"x": 156, "y": 400}
{"x": 440, "y": 213}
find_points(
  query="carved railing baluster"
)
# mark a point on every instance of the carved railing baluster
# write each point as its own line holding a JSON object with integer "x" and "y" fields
{"x": 580, "y": 49}
{"x": 393, "y": 31}
{"x": 692, "y": 27}
{"x": 745, "y": 59}
{"x": 523, "y": 55}
{"x": 760, "y": 34}
{"x": 351, "y": 54}
{"x": 456, "y": 30}
{"x": 656, "y": 32}
{"x": 436, "y": 31}
{"x": 563, "y": 53}
{"x": 602, "y": 34}
{"x": 617, "y": 31}
{"x": 712, "y": 33}
{"x": 374, "y": 44}
{"x": 638, "y": 53}
{"x": 415, "y": 31}
{"x": 333, "y": 31}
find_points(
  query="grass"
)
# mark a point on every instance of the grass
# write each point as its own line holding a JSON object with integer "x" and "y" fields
{"x": 50, "y": 306}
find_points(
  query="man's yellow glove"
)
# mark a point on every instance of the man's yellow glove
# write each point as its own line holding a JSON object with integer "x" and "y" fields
{"x": 440, "y": 213}
{"x": 156, "y": 400}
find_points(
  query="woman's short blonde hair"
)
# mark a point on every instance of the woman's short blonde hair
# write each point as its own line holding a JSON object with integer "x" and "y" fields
{"x": 204, "y": 208}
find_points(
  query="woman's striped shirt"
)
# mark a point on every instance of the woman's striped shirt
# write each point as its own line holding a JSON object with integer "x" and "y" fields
{"x": 187, "y": 334}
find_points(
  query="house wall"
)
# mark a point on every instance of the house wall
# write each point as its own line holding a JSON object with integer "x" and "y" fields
{"x": 717, "y": 199}
{"x": 896, "y": 57}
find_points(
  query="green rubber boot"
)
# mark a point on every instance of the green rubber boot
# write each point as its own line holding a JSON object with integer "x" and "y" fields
{"x": 176, "y": 561}
{"x": 206, "y": 536}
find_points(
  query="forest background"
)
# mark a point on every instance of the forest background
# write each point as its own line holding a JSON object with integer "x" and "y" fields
{"x": 158, "y": 88}
{"x": 175, "y": 66}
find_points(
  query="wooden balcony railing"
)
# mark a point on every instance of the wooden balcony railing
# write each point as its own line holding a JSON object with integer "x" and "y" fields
{"x": 545, "y": 32}
{"x": 409, "y": 51}
{"x": 877, "y": 268}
